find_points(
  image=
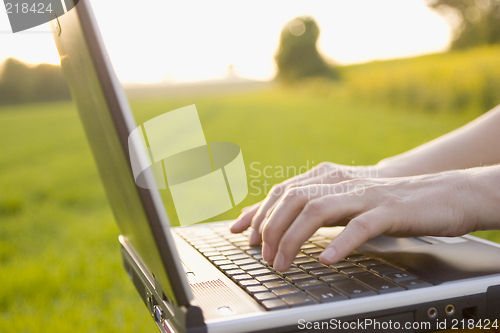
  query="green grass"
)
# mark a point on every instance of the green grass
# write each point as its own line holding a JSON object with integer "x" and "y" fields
{"x": 60, "y": 263}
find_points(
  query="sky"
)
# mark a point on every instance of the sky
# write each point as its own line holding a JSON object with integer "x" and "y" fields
{"x": 192, "y": 40}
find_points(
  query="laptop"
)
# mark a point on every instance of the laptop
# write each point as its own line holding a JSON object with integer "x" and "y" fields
{"x": 202, "y": 278}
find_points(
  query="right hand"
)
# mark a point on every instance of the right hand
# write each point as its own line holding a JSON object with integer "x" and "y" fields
{"x": 256, "y": 215}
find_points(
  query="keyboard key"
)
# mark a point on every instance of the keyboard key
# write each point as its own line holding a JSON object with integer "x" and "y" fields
{"x": 285, "y": 290}
{"x": 206, "y": 246}
{"x": 274, "y": 304}
{"x": 352, "y": 289}
{"x": 352, "y": 270}
{"x": 308, "y": 246}
{"x": 304, "y": 260}
{"x": 385, "y": 269}
{"x": 316, "y": 238}
{"x": 266, "y": 278}
{"x": 230, "y": 252}
{"x": 211, "y": 253}
{"x": 276, "y": 284}
{"x": 298, "y": 277}
{"x": 207, "y": 249}
{"x": 325, "y": 295}
{"x": 333, "y": 278}
{"x": 309, "y": 284}
{"x": 222, "y": 262}
{"x": 369, "y": 263}
{"x": 264, "y": 295}
{"x": 342, "y": 264}
{"x": 400, "y": 276}
{"x": 414, "y": 284}
{"x": 217, "y": 258}
{"x": 322, "y": 271}
{"x": 239, "y": 256}
{"x": 298, "y": 299}
{"x": 228, "y": 249}
{"x": 252, "y": 266}
{"x": 256, "y": 289}
{"x": 241, "y": 262}
{"x": 241, "y": 277}
{"x": 221, "y": 244}
{"x": 292, "y": 270}
{"x": 356, "y": 256}
{"x": 197, "y": 242}
{"x": 249, "y": 282}
{"x": 312, "y": 265}
{"x": 381, "y": 285}
{"x": 237, "y": 239}
{"x": 322, "y": 243}
{"x": 313, "y": 250}
{"x": 257, "y": 272}
{"x": 232, "y": 272}
{"x": 254, "y": 250}
{"x": 228, "y": 267}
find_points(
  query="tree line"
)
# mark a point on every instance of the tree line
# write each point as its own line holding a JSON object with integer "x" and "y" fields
{"x": 21, "y": 83}
{"x": 474, "y": 23}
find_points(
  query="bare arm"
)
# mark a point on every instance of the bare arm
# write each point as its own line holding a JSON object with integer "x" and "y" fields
{"x": 475, "y": 144}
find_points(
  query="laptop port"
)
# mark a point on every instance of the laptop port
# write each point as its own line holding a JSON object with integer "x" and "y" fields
{"x": 470, "y": 313}
{"x": 432, "y": 313}
{"x": 159, "y": 314}
{"x": 449, "y": 309}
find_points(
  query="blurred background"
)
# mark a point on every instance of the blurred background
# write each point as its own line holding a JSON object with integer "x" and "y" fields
{"x": 293, "y": 83}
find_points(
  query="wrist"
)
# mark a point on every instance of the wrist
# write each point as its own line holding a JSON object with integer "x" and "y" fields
{"x": 482, "y": 183}
{"x": 388, "y": 168}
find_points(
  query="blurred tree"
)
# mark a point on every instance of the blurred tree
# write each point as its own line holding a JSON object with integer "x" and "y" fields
{"x": 297, "y": 55}
{"x": 474, "y": 22}
{"x": 20, "y": 83}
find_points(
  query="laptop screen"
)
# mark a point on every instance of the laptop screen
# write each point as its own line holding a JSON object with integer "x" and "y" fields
{"x": 108, "y": 121}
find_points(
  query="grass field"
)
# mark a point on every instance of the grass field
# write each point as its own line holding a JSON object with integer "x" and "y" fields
{"x": 59, "y": 256}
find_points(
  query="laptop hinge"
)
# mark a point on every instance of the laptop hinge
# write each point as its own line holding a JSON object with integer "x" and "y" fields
{"x": 169, "y": 318}
{"x": 493, "y": 301}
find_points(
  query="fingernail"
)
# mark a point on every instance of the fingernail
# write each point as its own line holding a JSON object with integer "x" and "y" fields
{"x": 255, "y": 238}
{"x": 279, "y": 262}
{"x": 266, "y": 252}
{"x": 234, "y": 225}
{"x": 328, "y": 254}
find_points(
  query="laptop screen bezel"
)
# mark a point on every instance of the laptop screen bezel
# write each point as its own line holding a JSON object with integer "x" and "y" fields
{"x": 79, "y": 31}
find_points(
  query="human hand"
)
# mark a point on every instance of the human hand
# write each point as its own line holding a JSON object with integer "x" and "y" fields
{"x": 323, "y": 173}
{"x": 445, "y": 204}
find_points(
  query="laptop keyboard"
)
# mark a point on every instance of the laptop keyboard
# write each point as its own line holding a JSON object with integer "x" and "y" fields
{"x": 307, "y": 281}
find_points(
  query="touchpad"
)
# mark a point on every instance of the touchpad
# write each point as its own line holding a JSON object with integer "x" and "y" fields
{"x": 385, "y": 243}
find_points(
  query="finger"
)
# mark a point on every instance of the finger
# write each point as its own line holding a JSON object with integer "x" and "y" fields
{"x": 283, "y": 215}
{"x": 272, "y": 200}
{"x": 243, "y": 221}
{"x": 302, "y": 184}
{"x": 315, "y": 214}
{"x": 359, "y": 230}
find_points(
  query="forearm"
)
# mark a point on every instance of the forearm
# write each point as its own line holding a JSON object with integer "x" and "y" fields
{"x": 475, "y": 144}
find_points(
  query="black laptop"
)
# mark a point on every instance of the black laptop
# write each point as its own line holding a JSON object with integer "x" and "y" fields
{"x": 202, "y": 278}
